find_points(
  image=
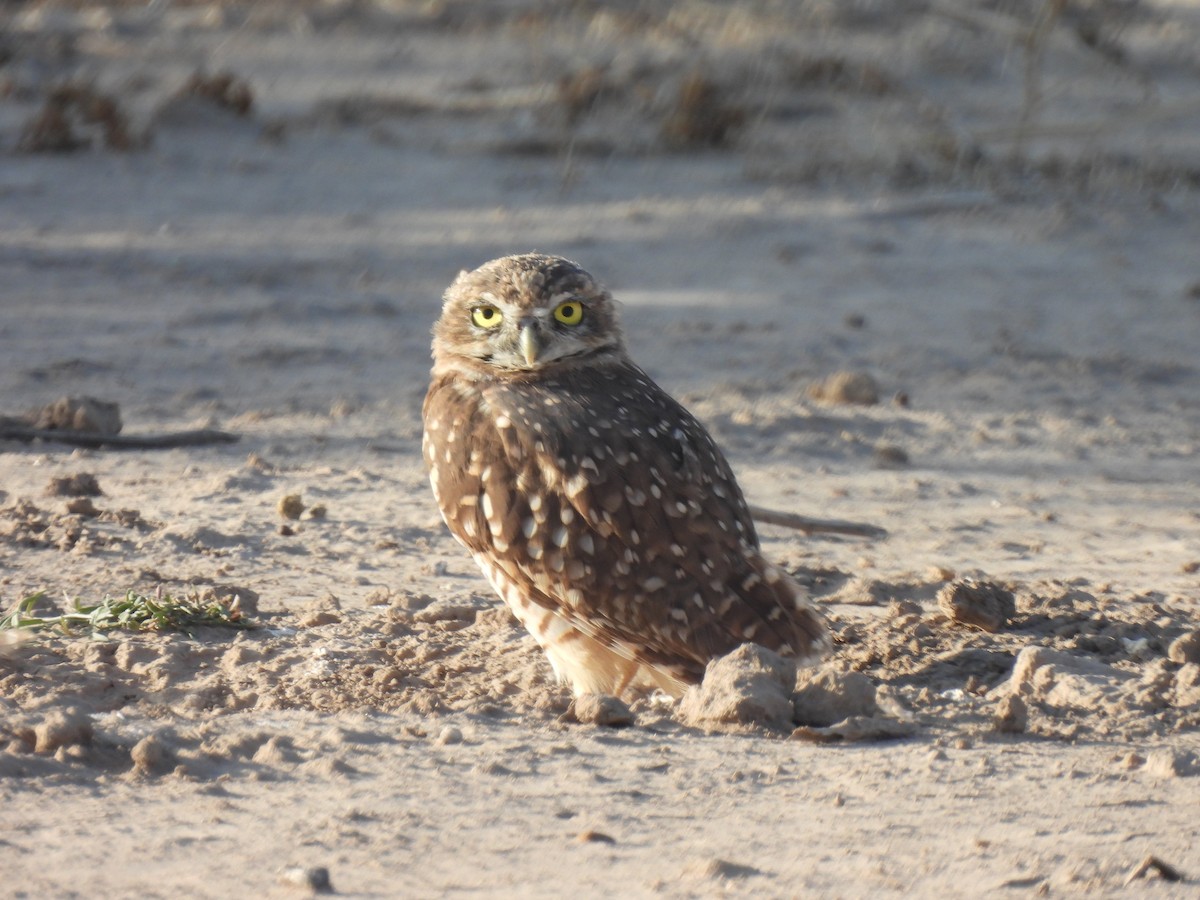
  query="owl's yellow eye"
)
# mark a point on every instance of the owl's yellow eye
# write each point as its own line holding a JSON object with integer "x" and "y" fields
{"x": 486, "y": 316}
{"x": 569, "y": 313}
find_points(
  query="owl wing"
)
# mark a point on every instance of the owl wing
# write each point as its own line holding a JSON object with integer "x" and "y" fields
{"x": 616, "y": 509}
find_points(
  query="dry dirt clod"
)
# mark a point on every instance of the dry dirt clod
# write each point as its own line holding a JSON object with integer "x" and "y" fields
{"x": 62, "y": 728}
{"x": 981, "y": 604}
{"x": 749, "y": 687}
{"x": 714, "y": 868}
{"x": 76, "y": 117}
{"x": 311, "y": 878}
{"x": 82, "y": 484}
{"x": 326, "y": 611}
{"x": 826, "y": 697}
{"x": 600, "y": 709}
{"x": 150, "y": 757}
{"x": 701, "y": 116}
{"x": 854, "y": 388}
{"x": 82, "y": 506}
{"x": 291, "y": 506}
{"x": 223, "y": 89}
{"x": 79, "y": 414}
{"x": 1165, "y": 763}
{"x": 1011, "y": 715}
{"x": 1185, "y": 648}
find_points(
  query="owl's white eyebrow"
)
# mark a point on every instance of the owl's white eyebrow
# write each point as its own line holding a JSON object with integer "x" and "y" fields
{"x": 561, "y": 296}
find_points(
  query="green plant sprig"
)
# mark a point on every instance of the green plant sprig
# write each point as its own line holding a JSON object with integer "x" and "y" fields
{"x": 133, "y": 612}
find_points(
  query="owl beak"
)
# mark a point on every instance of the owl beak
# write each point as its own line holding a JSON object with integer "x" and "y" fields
{"x": 528, "y": 342}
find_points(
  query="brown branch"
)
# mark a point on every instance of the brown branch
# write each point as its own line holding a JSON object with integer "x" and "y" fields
{"x": 815, "y": 526}
{"x": 94, "y": 439}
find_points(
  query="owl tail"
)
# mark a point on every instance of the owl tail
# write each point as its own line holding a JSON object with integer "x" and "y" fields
{"x": 775, "y": 613}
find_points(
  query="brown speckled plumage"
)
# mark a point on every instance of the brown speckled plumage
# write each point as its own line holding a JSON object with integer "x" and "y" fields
{"x": 600, "y": 510}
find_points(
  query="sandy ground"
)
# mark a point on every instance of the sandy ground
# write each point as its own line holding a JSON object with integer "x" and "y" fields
{"x": 1000, "y": 229}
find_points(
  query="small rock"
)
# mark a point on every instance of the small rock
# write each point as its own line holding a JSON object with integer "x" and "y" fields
{"x": 750, "y": 686}
{"x": 318, "y": 512}
{"x": 594, "y": 837}
{"x": 291, "y": 506}
{"x": 601, "y": 709}
{"x": 979, "y": 603}
{"x": 1185, "y": 648}
{"x": 890, "y": 456}
{"x": 62, "y": 728}
{"x": 826, "y": 697}
{"x": 449, "y": 735}
{"x": 1011, "y": 716}
{"x": 713, "y": 868}
{"x": 857, "y": 388}
{"x": 311, "y": 878}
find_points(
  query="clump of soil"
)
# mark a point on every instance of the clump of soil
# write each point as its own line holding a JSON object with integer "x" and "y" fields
{"x": 981, "y": 604}
{"x": 856, "y": 388}
{"x": 701, "y": 116}
{"x": 222, "y": 89}
{"x": 79, "y": 414}
{"x": 81, "y": 484}
{"x": 76, "y": 116}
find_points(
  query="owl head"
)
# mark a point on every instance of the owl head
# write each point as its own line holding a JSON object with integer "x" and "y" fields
{"x": 528, "y": 313}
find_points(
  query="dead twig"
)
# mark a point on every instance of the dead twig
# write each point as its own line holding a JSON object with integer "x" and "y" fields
{"x": 815, "y": 526}
{"x": 92, "y": 439}
{"x": 1165, "y": 870}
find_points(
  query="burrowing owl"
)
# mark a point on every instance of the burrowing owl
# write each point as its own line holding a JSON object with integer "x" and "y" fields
{"x": 599, "y": 509}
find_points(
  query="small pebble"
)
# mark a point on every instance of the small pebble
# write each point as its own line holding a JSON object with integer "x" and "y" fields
{"x": 594, "y": 837}
{"x": 601, "y": 709}
{"x": 449, "y": 735}
{"x": 889, "y": 456}
{"x": 311, "y": 878}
